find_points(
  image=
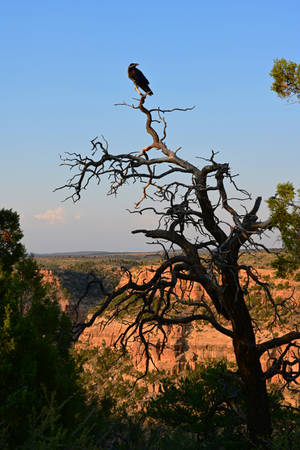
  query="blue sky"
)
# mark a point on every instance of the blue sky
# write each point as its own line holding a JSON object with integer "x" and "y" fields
{"x": 64, "y": 66}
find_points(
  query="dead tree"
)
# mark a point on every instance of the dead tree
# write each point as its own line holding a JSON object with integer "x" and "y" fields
{"x": 200, "y": 247}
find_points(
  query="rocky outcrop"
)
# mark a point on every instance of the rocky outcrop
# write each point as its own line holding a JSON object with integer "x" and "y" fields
{"x": 186, "y": 344}
{"x": 53, "y": 281}
{"x": 70, "y": 289}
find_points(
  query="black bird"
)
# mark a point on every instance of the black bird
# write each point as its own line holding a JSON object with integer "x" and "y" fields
{"x": 138, "y": 78}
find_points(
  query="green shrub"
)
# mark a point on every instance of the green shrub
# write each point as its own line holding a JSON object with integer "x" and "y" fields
{"x": 207, "y": 402}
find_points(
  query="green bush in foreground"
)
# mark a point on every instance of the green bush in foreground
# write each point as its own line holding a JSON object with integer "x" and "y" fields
{"x": 206, "y": 408}
{"x": 207, "y": 402}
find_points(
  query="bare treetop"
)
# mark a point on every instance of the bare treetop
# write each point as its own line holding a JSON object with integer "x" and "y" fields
{"x": 163, "y": 176}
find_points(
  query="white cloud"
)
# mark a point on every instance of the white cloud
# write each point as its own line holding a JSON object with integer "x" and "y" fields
{"x": 52, "y": 216}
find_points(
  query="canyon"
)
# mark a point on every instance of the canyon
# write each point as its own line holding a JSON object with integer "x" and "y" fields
{"x": 186, "y": 345}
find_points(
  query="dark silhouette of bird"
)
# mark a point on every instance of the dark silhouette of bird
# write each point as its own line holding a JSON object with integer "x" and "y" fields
{"x": 138, "y": 78}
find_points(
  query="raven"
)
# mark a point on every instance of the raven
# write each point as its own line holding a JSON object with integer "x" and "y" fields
{"x": 138, "y": 78}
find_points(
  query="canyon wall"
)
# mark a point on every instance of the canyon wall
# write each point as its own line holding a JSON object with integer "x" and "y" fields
{"x": 186, "y": 345}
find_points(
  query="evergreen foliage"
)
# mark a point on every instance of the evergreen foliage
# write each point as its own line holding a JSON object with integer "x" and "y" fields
{"x": 286, "y": 76}
{"x": 11, "y": 249}
{"x": 206, "y": 408}
{"x": 206, "y": 402}
{"x": 35, "y": 362}
{"x": 285, "y": 209}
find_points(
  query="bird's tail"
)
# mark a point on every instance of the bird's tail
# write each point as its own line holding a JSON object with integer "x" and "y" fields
{"x": 150, "y": 92}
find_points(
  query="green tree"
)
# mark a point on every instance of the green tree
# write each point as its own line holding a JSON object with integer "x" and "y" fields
{"x": 285, "y": 209}
{"x": 11, "y": 249}
{"x": 286, "y": 75}
{"x": 284, "y": 205}
{"x": 35, "y": 361}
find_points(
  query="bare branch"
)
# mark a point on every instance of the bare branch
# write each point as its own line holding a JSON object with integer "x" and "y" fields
{"x": 200, "y": 247}
{"x": 278, "y": 342}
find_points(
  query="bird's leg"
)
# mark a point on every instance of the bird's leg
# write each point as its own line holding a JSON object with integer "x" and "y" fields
{"x": 137, "y": 89}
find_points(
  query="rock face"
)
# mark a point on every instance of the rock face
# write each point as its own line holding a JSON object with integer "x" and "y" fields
{"x": 186, "y": 345}
{"x": 69, "y": 287}
{"x": 183, "y": 288}
{"x": 50, "y": 278}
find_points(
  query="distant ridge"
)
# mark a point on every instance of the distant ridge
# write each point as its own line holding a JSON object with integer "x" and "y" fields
{"x": 105, "y": 253}
{"x": 91, "y": 253}
{"x": 83, "y": 253}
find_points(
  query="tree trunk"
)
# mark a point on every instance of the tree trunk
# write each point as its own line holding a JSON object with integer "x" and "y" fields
{"x": 257, "y": 405}
{"x": 248, "y": 361}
